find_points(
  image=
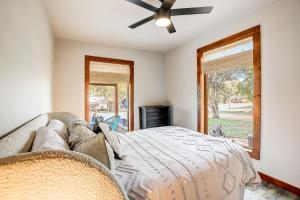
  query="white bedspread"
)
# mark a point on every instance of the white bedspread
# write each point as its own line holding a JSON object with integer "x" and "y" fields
{"x": 176, "y": 163}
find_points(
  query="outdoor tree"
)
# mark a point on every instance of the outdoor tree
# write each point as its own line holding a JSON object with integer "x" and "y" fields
{"x": 122, "y": 90}
{"x": 97, "y": 91}
{"x": 109, "y": 92}
{"x": 105, "y": 91}
{"x": 245, "y": 87}
{"x": 222, "y": 85}
{"x": 230, "y": 89}
{"x": 216, "y": 88}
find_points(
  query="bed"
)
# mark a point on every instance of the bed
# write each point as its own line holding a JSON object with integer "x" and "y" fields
{"x": 178, "y": 163}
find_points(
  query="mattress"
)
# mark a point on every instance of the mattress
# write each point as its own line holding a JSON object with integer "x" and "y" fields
{"x": 178, "y": 163}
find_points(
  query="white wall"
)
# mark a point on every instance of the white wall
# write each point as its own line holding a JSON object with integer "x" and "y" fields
{"x": 69, "y": 75}
{"x": 280, "y": 23}
{"x": 26, "y": 46}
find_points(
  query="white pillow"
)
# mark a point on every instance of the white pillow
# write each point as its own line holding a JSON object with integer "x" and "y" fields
{"x": 48, "y": 139}
{"x": 112, "y": 138}
{"x": 59, "y": 127}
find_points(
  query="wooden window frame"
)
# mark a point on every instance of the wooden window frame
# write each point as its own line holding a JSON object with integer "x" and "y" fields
{"x": 202, "y": 115}
{"x": 88, "y": 60}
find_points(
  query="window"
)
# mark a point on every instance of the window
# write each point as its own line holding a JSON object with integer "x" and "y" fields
{"x": 229, "y": 90}
{"x": 109, "y": 91}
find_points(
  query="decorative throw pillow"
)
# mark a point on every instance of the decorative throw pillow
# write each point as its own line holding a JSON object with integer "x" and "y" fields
{"x": 79, "y": 133}
{"x": 75, "y": 122}
{"x": 112, "y": 138}
{"x": 48, "y": 139}
{"x": 96, "y": 127}
{"x": 97, "y": 148}
{"x": 113, "y": 122}
{"x": 111, "y": 156}
{"x": 59, "y": 127}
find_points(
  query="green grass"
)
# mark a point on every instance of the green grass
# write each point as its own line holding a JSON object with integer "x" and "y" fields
{"x": 233, "y": 128}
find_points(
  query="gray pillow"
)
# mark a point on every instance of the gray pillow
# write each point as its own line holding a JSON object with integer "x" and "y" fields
{"x": 75, "y": 122}
{"x": 48, "y": 139}
{"x": 59, "y": 127}
{"x": 78, "y": 133}
{"x": 112, "y": 138}
{"x": 85, "y": 141}
{"x": 97, "y": 148}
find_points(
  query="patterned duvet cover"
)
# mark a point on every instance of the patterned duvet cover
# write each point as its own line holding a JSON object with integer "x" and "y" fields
{"x": 176, "y": 163}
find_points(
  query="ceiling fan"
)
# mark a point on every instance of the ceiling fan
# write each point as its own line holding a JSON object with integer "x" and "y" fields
{"x": 162, "y": 15}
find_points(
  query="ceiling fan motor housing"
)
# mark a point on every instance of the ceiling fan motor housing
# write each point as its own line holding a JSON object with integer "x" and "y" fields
{"x": 162, "y": 13}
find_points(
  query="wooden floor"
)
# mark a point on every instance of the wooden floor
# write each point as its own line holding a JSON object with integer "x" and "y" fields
{"x": 269, "y": 192}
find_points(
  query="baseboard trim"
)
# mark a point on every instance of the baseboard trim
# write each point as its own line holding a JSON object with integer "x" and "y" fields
{"x": 269, "y": 179}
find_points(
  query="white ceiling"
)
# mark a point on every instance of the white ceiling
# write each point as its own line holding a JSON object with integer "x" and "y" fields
{"x": 107, "y": 21}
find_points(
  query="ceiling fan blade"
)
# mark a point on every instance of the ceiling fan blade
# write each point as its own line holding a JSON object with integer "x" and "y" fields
{"x": 191, "y": 11}
{"x": 171, "y": 28}
{"x": 143, "y": 5}
{"x": 143, "y": 21}
{"x": 168, "y": 3}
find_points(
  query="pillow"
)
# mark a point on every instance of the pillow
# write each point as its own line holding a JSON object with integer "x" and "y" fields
{"x": 113, "y": 122}
{"x": 78, "y": 133}
{"x": 104, "y": 127}
{"x": 48, "y": 139}
{"x": 97, "y": 148}
{"x": 96, "y": 127}
{"x": 75, "y": 122}
{"x": 112, "y": 138}
{"x": 111, "y": 156}
{"x": 59, "y": 127}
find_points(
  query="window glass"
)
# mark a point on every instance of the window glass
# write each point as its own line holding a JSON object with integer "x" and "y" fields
{"x": 123, "y": 105}
{"x": 102, "y": 102}
{"x": 230, "y": 105}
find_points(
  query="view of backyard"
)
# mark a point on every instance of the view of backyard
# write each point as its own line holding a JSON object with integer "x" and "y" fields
{"x": 103, "y": 103}
{"x": 230, "y": 95}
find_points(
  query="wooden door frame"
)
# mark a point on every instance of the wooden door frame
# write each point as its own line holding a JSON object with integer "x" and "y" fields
{"x": 202, "y": 96}
{"x": 129, "y": 63}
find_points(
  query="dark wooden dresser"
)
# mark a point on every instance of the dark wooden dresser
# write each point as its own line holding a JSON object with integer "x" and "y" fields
{"x": 154, "y": 116}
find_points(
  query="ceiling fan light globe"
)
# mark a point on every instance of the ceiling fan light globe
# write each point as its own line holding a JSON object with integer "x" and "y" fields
{"x": 163, "y": 22}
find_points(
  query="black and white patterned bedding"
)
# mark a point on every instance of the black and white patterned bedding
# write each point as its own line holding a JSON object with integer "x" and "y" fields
{"x": 177, "y": 163}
